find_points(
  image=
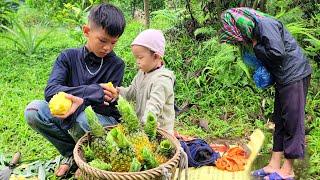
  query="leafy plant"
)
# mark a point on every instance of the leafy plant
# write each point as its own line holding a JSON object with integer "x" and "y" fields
{"x": 32, "y": 17}
{"x": 309, "y": 39}
{"x": 26, "y": 40}
{"x": 7, "y": 8}
{"x": 205, "y": 32}
{"x": 165, "y": 19}
{"x": 314, "y": 144}
{"x": 75, "y": 15}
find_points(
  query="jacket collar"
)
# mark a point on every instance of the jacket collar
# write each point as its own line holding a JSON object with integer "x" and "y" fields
{"x": 91, "y": 57}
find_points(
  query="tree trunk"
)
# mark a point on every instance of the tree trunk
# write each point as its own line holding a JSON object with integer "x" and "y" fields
{"x": 133, "y": 8}
{"x": 243, "y": 3}
{"x": 174, "y": 4}
{"x": 255, "y": 4}
{"x": 219, "y": 8}
{"x": 263, "y": 5}
{"x": 147, "y": 13}
{"x": 189, "y": 9}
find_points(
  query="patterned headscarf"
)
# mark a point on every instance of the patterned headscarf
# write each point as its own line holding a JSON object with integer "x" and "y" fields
{"x": 238, "y": 24}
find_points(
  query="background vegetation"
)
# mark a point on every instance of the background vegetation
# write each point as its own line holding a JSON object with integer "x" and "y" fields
{"x": 213, "y": 86}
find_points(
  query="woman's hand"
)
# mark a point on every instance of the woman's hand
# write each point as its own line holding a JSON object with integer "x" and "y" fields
{"x": 76, "y": 102}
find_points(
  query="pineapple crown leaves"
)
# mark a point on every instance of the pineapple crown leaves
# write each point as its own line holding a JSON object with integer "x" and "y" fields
{"x": 149, "y": 158}
{"x": 93, "y": 121}
{"x": 135, "y": 165}
{"x": 119, "y": 138}
{"x": 129, "y": 117}
{"x": 88, "y": 152}
{"x": 165, "y": 147}
{"x": 97, "y": 163}
{"x": 110, "y": 142}
{"x": 150, "y": 127}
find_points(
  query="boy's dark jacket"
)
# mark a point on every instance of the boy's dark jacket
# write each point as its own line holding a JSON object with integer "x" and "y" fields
{"x": 280, "y": 52}
{"x": 70, "y": 75}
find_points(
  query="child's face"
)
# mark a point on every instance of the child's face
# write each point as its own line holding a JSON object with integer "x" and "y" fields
{"x": 98, "y": 41}
{"x": 146, "y": 60}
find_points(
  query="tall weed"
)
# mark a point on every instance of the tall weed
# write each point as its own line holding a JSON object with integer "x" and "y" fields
{"x": 26, "y": 39}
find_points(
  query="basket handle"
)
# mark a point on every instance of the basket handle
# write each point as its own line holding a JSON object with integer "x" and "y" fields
{"x": 183, "y": 164}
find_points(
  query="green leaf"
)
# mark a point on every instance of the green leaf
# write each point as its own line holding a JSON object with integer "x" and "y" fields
{"x": 97, "y": 163}
{"x": 244, "y": 68}
{"x": 119, "y": 138}
{"x": 43, "y": 38}
{"x": 150, "y": 127}
{"x": 135, "y": 165}
{"x": 94, "y": 123}
{"x": 165, "y": 147}
{"x": 129, "y": 117}
{"x": 149, "y": 158}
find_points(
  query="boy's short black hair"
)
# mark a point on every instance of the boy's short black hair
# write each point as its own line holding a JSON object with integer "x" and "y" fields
{"x": 109, "y": 17}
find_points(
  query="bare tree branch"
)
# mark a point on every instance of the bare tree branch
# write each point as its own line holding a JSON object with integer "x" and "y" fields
{"x": 147, "y": 13}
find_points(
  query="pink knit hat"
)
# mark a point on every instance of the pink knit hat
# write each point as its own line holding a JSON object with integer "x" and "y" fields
{"x": 152, "y": 39}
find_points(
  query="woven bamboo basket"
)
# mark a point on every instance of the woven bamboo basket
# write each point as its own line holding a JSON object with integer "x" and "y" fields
{"x": 90, "y": 173}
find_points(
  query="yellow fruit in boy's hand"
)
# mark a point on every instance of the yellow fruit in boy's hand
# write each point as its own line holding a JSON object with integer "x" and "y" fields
{"x": 59, "y": 104}
{"x": 109, "y": 84}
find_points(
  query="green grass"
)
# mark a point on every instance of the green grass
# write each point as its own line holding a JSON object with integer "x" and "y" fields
{"x": 22, "y": 80}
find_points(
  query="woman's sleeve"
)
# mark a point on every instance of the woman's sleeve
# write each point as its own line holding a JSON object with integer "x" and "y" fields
{"x": 270, "y": 44}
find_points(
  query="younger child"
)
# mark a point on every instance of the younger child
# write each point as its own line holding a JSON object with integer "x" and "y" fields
{"x": 152, "y": 87}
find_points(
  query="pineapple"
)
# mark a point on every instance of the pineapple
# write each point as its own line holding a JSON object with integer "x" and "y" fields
{"x": 135, "y": 165}
{"x": 161, "y": 158}
{"x": 129, "y": 117}
{"x": 151, "y": 126}
{"x": 88, "y": 152}
{"x": 164, "y": 151}
{"x": 165, "y": 147}
{"x": 100, "y": 149}
{"x": 149, "y": 159}
{"x": 109, "y": 84}
{"x": 93, "y": 121}
{"x": 127, "y": 147}
{"x": 122, "y": 155}
{"x": 97, "y": 163}
{"x": 99, "y": 144}
{"x": 140, "y": 140}
{"x": 59, "y": 104}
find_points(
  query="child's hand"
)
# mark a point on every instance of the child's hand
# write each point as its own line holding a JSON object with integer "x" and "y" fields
{"x": 76, "y": 102}
{"x": 110, "y": 93}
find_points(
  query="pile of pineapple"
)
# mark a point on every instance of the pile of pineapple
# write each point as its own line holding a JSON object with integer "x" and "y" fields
{"x": 128, "y": 147}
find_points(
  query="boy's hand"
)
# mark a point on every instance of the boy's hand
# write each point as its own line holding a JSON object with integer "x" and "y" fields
{"x": 110, "y": 93}
{"x": 76, "y": 102}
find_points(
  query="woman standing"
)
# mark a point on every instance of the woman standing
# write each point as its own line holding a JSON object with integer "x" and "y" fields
{"x": 281, "y": 55}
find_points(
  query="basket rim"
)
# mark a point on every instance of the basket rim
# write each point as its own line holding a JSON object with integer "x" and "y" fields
{"x": 82, "y": 164}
